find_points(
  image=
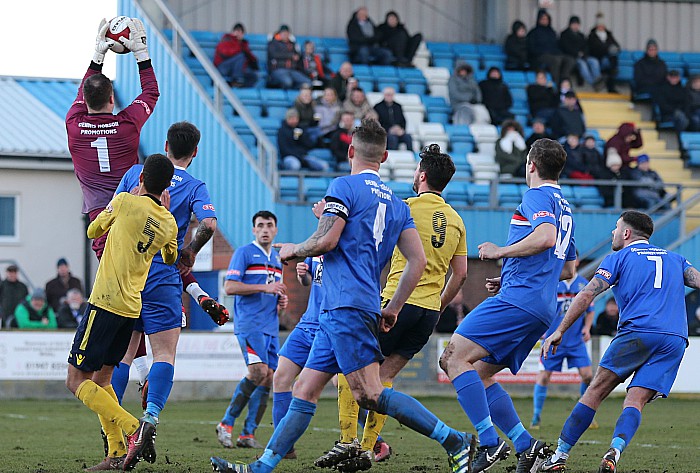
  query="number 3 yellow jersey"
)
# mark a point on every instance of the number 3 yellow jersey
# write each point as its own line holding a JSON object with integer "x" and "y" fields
{"x": 443, "y": 235}
{"x": 139, "y": 227}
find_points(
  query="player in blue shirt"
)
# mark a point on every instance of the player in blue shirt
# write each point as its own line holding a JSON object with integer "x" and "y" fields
{"x": 255, "y": 278}
{"x": 362, "y": 223}
{"x": 572, "y": 349}
{"x": 648, "y": 285}
{"x": 500, "y": 332}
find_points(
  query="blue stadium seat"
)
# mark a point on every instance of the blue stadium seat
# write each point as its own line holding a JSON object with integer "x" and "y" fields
{"x": 384, "y": 71}
{"x": 447, "y": 63}
{"x": 438, "y": 117}
{"x": 324, "y": 154}
{"x": 289, "y": 188}
{"x": 509, "y": 195}
{"x": 479, "y": 194}
{"x": 277, "y": 97}
{"x": 402, "y": 190}
{"x": 690, "y": 140}
{"x": 315, "y": 188}
{"x": 456, "y": 193}
{"x": 461, "y": 148}
{"x": 276, "y": 112}
{"x": 694, "y": 158}
{"x": 587, "y": 195}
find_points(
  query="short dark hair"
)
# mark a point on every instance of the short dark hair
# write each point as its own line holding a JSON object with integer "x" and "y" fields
{"x": 238, "y": 26}
{"x": 437, "y": 166}
{"x": 639, "y": 222}
{"x": 183, "y": 138}
{"x": 157, "y": 173}
{"x": 549, "y": 158}
{"x": 97, "y": 89}
{"x": 369, "y": 139}
{"x": 264, "y": 214}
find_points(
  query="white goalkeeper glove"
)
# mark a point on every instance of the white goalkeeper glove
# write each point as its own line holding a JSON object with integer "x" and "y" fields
{"x": 137, "y": 40}
{"x": 102, "y": 44}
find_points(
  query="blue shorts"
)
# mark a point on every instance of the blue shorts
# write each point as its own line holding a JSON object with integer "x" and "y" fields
{"x": 161, "y": 308}
{"x": 259, "y": 348}
{"x": 576, "y": 357}
{"x": 298, "y": 345}
{"x": 345, "y": 342}
{"x": 654, "y": 358}
{"x": 507, "y": 332}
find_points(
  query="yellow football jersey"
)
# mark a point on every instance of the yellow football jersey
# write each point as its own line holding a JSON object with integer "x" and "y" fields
{"x": 443, "y": 235}
{"x": 139, "y": 227}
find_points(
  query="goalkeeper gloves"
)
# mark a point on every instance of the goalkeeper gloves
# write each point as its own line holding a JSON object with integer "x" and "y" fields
{"x": 102, "y": 44}
{"x": 218, "y": 313}
{"x": 137, "y": 40}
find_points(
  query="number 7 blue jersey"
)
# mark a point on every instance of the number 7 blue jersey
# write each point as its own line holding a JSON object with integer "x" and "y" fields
{"x": 530, "y": 282}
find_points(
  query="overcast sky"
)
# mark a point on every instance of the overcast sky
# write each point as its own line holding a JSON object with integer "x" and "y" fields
{"x": 52, "y": 38}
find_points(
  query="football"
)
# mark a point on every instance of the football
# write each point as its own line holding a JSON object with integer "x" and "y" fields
{"x": 118, "y": 28}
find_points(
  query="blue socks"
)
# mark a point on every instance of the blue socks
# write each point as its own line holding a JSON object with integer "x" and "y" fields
{"x": 256, "y": 408}
{"x": 538, "y": 397}
{"x": 239, "y": 400}
{"x": 160, "y": 382}
{"x": 120, "y": 378}
{"x": 472, "y": 397}
{"x": 626, "y": 427}
{"x": 280, "y": 406}
{"x": 289, "y": 430}
{"x": 504, "y": 416}
{"x": 577, "y": 423}
{"x": 414, "y": 415}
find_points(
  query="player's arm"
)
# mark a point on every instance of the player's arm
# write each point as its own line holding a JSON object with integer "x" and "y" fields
{"x": 142, "y": 106}
{"x": 568, "y": 271}
{"x": 458, "y": 265}
{"x": 411, "y": 247}
{"x": 542, "y": 238}
{"x": 691, "y": 277}
{"x": 587, "y": 324}
{"x": 105, "y": 219}
{"x": 238, "y": 288}
{"x": 205, "y": 231}
{"x": 323, "y": 240}
{"x": 303, "y": 275}
{"x": 169, "y": 251}
{"x": 102, "y": 45}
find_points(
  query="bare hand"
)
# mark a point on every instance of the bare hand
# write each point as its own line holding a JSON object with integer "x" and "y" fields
{"x": 586, "y": 332}
{"x": 302, "y": 269}
{"x": 283, "y": 302}
{"x": 277, "y": 288}
{"x": 552, "y": 341}
{"x": 135, "y": 190}
{"x": 318, "y": 208}
{"x": 286, "y": 251}
{"x": 165, "y": 199}
{"x": 488, "y": 250}
{"x": 187, "y": 257}
{"x": 388, "y": 320}
{"x": 493, "y": 285}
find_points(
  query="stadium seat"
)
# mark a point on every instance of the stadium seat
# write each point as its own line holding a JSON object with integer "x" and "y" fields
{"x": 587, "y": 195}
{"x": 694, "y": 158}
{"x": 402, "y": 190}
{"x": 432, "y": 133}
{"x": 509, "y": 195}
{"x": 289, "y": 188}
{"x": 456, "y": 193}
{"x": 479, "y": 194}
{"x": 315, "y": 188}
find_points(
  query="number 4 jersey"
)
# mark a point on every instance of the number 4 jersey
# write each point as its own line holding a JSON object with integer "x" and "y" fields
{"x": 530, "y": 282}
{"x": 104, "y": 146}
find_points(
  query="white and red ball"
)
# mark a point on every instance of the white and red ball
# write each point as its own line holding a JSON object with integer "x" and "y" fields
{"x": 118, "y": 28}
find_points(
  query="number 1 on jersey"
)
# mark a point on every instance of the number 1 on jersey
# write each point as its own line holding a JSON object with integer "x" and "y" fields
{"x": 102, "y": 153}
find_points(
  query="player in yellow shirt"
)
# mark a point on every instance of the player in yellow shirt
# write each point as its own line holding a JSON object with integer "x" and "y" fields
{"x": 139, "y": 227}
{"x": 444, "y": 240}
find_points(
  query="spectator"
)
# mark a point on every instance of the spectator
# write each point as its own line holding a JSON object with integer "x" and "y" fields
{"x": 511, "y": 149}
{"x": 364, "y": 40}
{"x": 57, "y": 288}
{"x": 394, "y": 37}
{"x": 34, "y": 312}
{"x": 283, "y": 61}
{"x": 694, "y": 102}
{"x": 464, "y": 92}
{"x": 626, "y": 138}
{"x": 573, "y": 43}
{"x": 543, "y": 49}
{"x": 542, "y": 98}
{"x": 646, "y": 197}
{"x": 603, "y": 46}
{"x": 592, "y": 159}
{"x": 72, "y": 310}
{"x": 327, "y": 109}
{"x": 357, "y": 104}
{"x": 606, "y": 322}
{"x": 341, "y": 139}
{"x": 565, "y": 87}
{"x": 343, "y": 81}
{"x": 516, "y": 48}
{"x": 294, "y": 145}
{"x": 12, "y": 292}
{"x": 391, "y": 118}
{"x": 539, "y": 130}
{"x": 308, "y": 120}
{"x": 314, "y": 67}
{"x": 568, "y": 120}
{"x": 453, "y": 315}
{"x": 234, "y": 59}
{"x": 496, "y": 96}
{"x": 614, "y": 171}
{"x": 650, "y": 71}
{"x": 673, "y": 101}
{"x": 575, "y": 168}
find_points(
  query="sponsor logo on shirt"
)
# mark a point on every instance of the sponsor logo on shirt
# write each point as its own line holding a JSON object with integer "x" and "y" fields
{"x": 233, "y": 272}
{"x": 336, "y": 208}
{"x": 208, "y": 207}
{"x": 542, "y": 214}
{"x": 145, "y": 106}
{"x": 604, "y": 273}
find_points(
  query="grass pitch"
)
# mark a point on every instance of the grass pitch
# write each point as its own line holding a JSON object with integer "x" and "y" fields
{"x": 64, "y": 436}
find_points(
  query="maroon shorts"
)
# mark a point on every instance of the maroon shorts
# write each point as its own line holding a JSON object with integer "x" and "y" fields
{"x": 98, "y": 244}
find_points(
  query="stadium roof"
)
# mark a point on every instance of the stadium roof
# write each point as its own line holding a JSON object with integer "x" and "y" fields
{"x": 33, "y": 113}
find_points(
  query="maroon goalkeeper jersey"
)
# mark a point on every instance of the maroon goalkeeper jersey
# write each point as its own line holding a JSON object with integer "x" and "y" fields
{"x": 104, "y": 146}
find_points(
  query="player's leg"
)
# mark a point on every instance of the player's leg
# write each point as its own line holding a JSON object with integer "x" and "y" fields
{"x": 539, "y": 395}
{"x": 160, "y": 376}
{"x": 282, "y": 383}
{"x": 120, "y": 375}
{"x": 261, "y": 395}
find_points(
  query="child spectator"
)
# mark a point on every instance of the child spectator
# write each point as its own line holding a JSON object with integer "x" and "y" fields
{"x": 626, "y": 138}
{"x": 314, "y": 67}
{"x": 568, "y": 120}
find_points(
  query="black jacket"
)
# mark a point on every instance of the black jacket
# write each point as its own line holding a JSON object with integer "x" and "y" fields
{"x": 599, "y": 49}
{"x": 540, "y": 96}
{"x": 542, "y": 40}
{"x": 66, "y": 317}
{"x": 649, "y": 72}
{"x": 593, "y": 161}
{"x": 56, "y": 289}
{"x": 516, "y": 49}
{"x": 495, "y": 95}
{"x": 573, "y": 44}
{"x": 356, "y": 37}
{"x": 670, "y": 98}
{"x": 288, "y": 146}
{"x": 390, "y": 115}
{"x": 11, "y": 294}
{"x": 568, "y": 122}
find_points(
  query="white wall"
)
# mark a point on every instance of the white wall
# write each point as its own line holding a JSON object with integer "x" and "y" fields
{"x": 50, "y": 222}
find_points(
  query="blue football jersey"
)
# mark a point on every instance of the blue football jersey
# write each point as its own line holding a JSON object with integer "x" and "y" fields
{"x": 313, "y": 308}
{"x": 255, "y": 312}
{"x": 565, "y": 294}
{"x": 530, "y": 282}
{"x": 188, "y": 195}
{"x": 375, "y": 218}
{"x": 648, "y": 284}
